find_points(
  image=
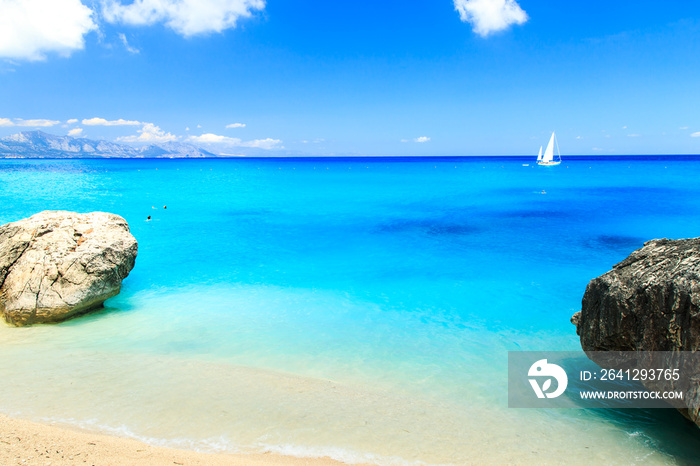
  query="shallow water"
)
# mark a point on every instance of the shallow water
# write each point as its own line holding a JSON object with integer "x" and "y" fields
{"x": 361, "y": 309}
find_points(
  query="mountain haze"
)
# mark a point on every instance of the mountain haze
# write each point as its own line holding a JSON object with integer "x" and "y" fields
{"x": 37, "y": 144}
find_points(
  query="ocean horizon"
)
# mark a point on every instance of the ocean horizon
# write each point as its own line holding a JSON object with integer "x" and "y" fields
{"x": 360, "y": 308}
{"x": 522, "y": 157}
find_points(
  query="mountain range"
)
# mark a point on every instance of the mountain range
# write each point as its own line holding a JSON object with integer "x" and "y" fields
{"x": 37, "y": 144}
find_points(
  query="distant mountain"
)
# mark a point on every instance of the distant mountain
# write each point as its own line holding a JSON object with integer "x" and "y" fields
{"x": 43, "y": 145}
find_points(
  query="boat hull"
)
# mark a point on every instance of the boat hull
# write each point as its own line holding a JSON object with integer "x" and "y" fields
{"x": 548, "y": 163}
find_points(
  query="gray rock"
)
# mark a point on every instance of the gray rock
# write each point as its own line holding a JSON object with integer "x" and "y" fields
{"x": 648, "y": 302}
{"x": 56, "y": 264}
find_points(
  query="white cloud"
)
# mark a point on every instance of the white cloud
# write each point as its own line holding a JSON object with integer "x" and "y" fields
{"x": 236, "y": 125}
{"x": 128, "y": 47}
{"x": 268, "y": 143}
{"x": 186, "y": 17}
{"x": 103, "y": 122}
{"x": 633, "y": 135}
{"x": 418, "y": 139}
{"x": 683, "y": 127}
{"x": 150, "y": 133}
{"x": 72, "y": 121}
{"x": 75, "y": 132}
{"x": 29, "y": 29}
{"x": 695, "y": 135}
{"x": 624, "y": 127}
{"x": 488, "y": 16}
{"x": 209, "y": 138}
{"x": 21, "y": 122}
{"x": 579, "y": 137}
{"x": 39, "y": 122}
{"x": 597, "y": 149}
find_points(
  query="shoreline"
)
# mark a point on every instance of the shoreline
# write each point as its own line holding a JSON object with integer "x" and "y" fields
{"x": 24, "y": 442}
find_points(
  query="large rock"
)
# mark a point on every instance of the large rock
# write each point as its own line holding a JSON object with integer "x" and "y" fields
{"x": 56, "y": 264}
{"x": 648, "y": 302}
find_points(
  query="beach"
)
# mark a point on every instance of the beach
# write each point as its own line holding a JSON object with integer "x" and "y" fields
{"x": 354, "y": 309}
{"x": 252, "y": 232}
{"x": 30, "y": 443}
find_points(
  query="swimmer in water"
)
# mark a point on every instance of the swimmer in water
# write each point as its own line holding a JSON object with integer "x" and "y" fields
{"x": 149, "y": 218}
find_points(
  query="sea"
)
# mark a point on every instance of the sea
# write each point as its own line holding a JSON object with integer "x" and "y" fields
{"x": 356, "y": 308}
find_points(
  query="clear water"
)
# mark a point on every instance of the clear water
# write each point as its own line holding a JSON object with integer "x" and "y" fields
{"x": 355, "y": 308}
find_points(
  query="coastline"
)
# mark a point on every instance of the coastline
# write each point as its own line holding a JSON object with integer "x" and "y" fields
{"x": 31, "y": 443}
{"x": 389, "y": 360}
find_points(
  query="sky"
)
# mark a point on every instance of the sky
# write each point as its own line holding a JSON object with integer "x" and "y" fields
{"x": 382, "y": 77}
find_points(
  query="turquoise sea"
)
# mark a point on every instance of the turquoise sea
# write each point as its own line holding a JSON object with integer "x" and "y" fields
{"x": 355, "y": 308}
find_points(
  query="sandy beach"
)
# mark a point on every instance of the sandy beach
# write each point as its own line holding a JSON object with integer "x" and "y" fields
{"x": 30, "y": 443}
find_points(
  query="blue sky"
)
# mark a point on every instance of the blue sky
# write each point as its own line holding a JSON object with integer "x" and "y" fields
{"x": 444, "y": 77}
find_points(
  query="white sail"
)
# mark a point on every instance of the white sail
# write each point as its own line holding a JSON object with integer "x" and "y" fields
{"x": 539, "y": 156}
{"x": 549, "y": 153}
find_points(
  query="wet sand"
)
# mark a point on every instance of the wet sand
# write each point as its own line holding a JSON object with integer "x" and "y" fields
{"x": 29, "y": 443}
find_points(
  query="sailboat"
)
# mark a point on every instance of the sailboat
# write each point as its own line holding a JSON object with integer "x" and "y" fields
{"x": 548, "y": 157}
